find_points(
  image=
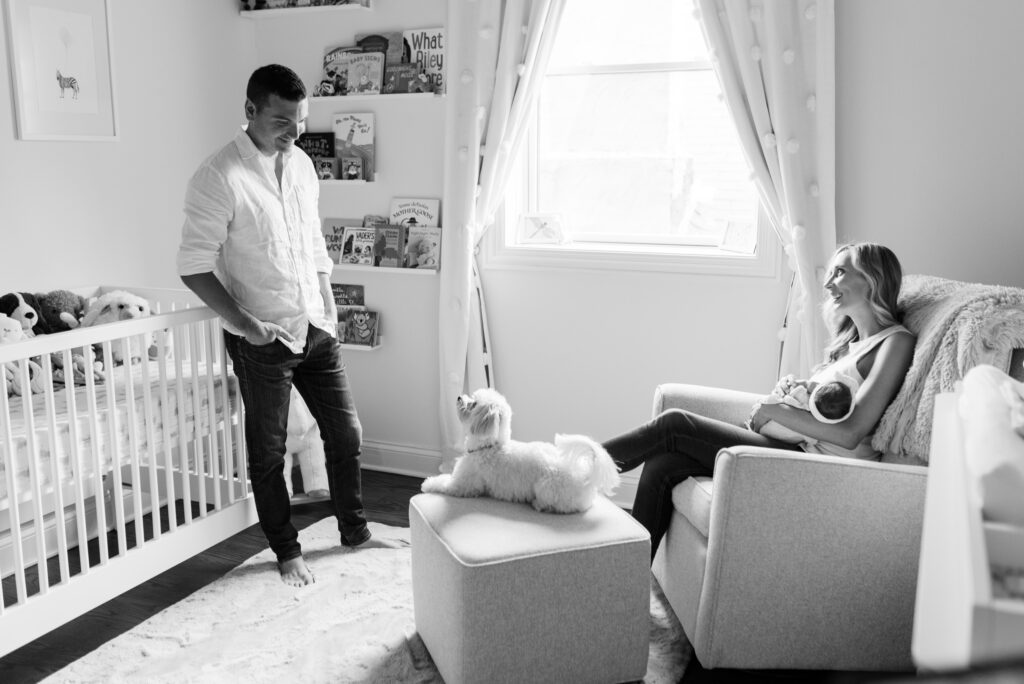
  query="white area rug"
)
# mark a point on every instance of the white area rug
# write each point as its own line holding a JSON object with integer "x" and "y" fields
{"x": 355, "y": 624}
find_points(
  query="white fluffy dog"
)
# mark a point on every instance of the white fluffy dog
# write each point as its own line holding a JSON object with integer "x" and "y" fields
{"x": 563, "y": 477}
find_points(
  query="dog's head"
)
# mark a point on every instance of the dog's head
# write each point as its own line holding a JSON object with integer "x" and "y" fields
{"x": 486, "y": 416}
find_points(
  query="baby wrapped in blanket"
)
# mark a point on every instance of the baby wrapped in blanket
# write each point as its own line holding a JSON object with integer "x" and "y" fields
{"x": 828, "y": 402}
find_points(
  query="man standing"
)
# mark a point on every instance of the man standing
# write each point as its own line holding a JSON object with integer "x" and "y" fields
{"x": 252, "y": 250}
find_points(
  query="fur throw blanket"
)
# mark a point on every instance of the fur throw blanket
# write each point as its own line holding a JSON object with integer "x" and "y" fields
{"x": 958, "y": 326}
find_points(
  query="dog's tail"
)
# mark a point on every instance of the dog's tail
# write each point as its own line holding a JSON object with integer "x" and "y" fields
{"x": 590, "y": 461}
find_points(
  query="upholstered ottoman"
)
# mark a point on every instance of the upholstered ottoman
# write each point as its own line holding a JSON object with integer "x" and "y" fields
{"x": 503, "y": 593}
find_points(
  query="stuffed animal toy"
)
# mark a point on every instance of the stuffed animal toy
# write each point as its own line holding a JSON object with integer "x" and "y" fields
{"x": 426, "y": 254}
{"x": 24, "y": 308}
{"x": 305, "y": 445}
{"x": 120, "y": 305}
{"x": 61, "y": 309}
{"x": 11, "y": 331}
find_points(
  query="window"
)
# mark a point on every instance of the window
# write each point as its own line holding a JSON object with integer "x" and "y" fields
{"x": 633, "y": 148}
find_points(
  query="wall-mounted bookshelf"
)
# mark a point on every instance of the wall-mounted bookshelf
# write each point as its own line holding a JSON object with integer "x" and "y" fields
{"x": 292, "y": 11}
{"x": 340, "y": 269}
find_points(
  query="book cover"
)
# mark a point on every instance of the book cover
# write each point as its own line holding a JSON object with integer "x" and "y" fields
{"x": 361, "y": 326}
{"x": 365, "y": 73}
{"x": 334, "y": 76}
{"x": 411, "y": 211}
{"x": 390, "y": 43}
{"x": 357, "y": 245}
{"x": 399, "y": 78}
{"x": 353, "y": 137}
{"x": 334, "y": 235}
{"x": 371, "y": 220}
{"x": 426, "y": 50}
{"x": 389, "y": 247}
{"x": 317, "y": 145}
{"x": 423, "y": 247}
{"x": 348, "y": 294}
{"x": 351, "y": 168}
{"x": 326, "y": 167}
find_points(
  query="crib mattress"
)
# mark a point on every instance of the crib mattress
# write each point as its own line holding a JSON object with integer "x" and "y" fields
{"x": 108, "y": 432}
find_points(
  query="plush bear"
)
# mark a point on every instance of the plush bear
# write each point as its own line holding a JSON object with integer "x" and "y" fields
{"x": 24, "y": 308}
{"x": 11, "y": 331}
{"x": 119, "y": 305}
{"x": 61, "y": 309}
{"x": 426, "y": 256}
{"x": 305, "y": 445}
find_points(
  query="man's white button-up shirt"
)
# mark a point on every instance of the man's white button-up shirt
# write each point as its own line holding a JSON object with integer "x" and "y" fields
{"x": 262, "y": 240}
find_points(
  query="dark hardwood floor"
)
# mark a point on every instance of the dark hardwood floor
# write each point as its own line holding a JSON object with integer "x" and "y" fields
{"x": 386, "y": 498}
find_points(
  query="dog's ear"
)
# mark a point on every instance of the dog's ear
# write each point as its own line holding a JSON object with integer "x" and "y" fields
{"x": 486, "y": 420}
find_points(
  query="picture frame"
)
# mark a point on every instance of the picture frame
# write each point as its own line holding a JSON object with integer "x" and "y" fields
{"x": 62, "y": 69}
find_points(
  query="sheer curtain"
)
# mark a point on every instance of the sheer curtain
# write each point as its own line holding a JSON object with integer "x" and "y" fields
{"x": 496, "y": 62}
{"x": 776, "y": 63}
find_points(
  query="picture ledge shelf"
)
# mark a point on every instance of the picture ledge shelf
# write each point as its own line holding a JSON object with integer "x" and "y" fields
{"x": 360, "y": 347}
{"x": 282, "y": 11}
{"x": 389, "y": 269}
{"x": 335, "y": 99}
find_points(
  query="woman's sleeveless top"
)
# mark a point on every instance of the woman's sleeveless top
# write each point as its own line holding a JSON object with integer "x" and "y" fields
{"x": 847, "y": 365}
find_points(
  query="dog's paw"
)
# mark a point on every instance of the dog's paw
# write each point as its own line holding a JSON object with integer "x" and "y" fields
{"x": 437, "y": 484}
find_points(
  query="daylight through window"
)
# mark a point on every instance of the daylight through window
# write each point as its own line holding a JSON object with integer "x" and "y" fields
{"x": 633, "y": 144}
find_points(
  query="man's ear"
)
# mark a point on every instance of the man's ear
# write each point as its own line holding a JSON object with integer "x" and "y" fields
{"x": 250, "y": 110}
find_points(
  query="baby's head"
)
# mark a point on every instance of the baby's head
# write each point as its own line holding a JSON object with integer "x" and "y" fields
{"x": 832, "y": 401}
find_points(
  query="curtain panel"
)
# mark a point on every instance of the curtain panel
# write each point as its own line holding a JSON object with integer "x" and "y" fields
{"x": 775, "y": 60}
{"x": 497, "y": 54}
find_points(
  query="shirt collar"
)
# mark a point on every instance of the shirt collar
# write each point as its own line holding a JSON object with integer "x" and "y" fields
{"x": 247, "y": 148}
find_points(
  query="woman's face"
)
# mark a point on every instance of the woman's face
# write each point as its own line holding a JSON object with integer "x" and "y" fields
{"x": 846, "y": 285}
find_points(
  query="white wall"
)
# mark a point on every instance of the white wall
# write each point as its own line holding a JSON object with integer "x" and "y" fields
{"x": 929, "y": 133}
{"x": 83, "y": 213}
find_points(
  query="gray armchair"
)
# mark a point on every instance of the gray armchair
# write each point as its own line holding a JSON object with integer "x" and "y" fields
{"x": 802, "y": 561}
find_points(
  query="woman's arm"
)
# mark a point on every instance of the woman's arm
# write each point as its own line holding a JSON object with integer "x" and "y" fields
{"x": 890, "y": 366}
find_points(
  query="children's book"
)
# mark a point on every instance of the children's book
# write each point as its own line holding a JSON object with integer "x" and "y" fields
{"x": 423, "y": 247}
{"x": 389, "y": 43}
{"x": 334, "y": 77}
{"x": 365, "y": 73}
{"x": 426, "y": 50}
{"x": 357, "y": 245}
{"x": 326, "y": 167}
{"x": 415, "y": 212}
{"x": 317, "y": 145}
{"x": 399, "y": 78}
{"x": 353, "y": 137}
{"x": 346, "y": 294}
{"x": 334, "y": 235}
{"x": 360, "y": 326}
{"x": 351, "y": 168}
{"x": 389, "y": 247}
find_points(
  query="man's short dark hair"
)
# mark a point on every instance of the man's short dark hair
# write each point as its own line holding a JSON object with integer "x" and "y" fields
{"x": 274, "y": 79}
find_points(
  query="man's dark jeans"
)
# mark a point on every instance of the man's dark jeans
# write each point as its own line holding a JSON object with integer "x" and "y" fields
{"x": 265, "y": 377}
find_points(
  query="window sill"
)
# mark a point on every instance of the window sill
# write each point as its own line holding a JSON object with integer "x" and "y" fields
{"x": 765, "y": 263}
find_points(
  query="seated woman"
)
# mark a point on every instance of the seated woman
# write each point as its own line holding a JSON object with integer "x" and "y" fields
{"x": 868, "y": 344}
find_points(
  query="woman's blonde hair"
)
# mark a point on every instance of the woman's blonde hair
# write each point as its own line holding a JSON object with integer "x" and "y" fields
{"x": 882, "y": 270}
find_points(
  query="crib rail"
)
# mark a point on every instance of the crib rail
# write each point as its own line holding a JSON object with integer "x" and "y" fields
{"x": 112, "y": 476}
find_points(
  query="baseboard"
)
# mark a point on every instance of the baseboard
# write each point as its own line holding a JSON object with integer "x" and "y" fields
{"x": 418, "y": 462}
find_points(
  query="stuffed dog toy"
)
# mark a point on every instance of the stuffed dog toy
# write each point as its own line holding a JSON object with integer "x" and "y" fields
{"x": 119, "y": 305}
{"x": 24, "y": 308}
{"x": 563, "y": 477}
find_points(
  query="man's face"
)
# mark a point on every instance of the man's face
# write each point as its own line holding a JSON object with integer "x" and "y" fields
{"x": 275, "y": 126}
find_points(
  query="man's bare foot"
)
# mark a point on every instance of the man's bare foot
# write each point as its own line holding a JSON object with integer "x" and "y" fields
{"x": 295, "y": 572}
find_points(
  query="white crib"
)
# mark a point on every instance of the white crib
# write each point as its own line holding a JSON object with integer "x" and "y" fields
{"x": 79, "y": 462}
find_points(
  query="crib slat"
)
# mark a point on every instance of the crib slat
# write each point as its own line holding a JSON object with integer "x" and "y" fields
{"x": 132, "y": 410}
{"x": 172, "y": 516}
{"x": 115, "y": 447}
{"x": 179, "y": 389}
{"x": 147, "y": 409}
{"x": 231, "y": 472}
{"x": 197, "y": 420}
{"x": 75, "y": 461}
{"x": 211, "y": 411}
{"x": 57, "y": 477}
{"x": 97, "y": 463}
{"x": 21, "y": 589}
{"x": 35, "y": 484}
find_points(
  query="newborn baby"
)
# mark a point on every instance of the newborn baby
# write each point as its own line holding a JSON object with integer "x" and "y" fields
{"x": 828, "y": 402}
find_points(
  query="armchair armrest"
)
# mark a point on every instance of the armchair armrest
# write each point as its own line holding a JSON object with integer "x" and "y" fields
{"x": 731, "y": 406}
{"x": 811, "y": 547}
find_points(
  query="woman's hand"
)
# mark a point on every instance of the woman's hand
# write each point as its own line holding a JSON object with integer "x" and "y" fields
{"x": 757, "y": 417}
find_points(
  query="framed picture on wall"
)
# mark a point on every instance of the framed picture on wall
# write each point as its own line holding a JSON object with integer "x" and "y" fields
{"x": 61, "y": 68}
